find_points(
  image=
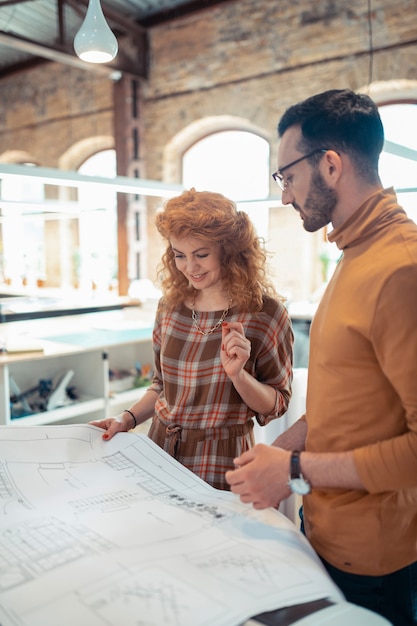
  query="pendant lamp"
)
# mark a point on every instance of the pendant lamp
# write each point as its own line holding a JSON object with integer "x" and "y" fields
{"x": 95, "y": 42}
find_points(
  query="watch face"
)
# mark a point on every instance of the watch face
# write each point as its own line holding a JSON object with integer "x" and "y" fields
{"x": 299, "y": 486}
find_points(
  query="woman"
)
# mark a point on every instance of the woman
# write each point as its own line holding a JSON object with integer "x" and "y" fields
{"x": 222, "y": 339}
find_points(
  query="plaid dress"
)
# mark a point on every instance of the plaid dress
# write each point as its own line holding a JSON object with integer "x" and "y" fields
{"x": 200, "y": 419}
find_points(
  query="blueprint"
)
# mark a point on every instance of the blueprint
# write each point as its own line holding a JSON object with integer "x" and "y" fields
{"x": 96, "y": 533}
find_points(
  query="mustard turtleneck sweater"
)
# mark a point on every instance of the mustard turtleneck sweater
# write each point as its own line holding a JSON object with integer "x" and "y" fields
{"x": 362, "y": 392}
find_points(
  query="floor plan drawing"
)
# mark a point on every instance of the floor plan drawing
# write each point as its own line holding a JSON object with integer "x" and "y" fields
{"x": 96, "y": 533}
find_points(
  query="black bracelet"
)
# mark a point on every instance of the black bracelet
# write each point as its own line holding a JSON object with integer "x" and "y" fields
{"x": 130, "y": 413}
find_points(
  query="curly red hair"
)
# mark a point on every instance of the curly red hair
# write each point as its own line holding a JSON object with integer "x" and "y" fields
{"x": 214, "y": 219}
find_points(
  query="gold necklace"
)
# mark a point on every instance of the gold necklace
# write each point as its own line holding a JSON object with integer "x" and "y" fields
{"x": 215, "y": 327}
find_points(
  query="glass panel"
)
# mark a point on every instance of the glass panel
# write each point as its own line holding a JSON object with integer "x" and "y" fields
{"x": 24, "y": 263}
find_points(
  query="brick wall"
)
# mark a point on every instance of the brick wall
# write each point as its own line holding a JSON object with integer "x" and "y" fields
{"x": 247, "y": 59}
{"x": 48, "y": 109}
{"x": 252, "y": 59}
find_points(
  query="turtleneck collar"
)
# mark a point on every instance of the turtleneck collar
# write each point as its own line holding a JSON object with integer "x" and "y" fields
{"x": 380, "y": 209}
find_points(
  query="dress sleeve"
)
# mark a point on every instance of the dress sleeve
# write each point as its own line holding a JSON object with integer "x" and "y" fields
{"x": 157, "y": 382}
{"x": 274, "y": 362}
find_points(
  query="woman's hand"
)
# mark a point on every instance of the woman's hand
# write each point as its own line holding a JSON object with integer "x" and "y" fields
{"x": 236, "y": 348}
{"x": 112, "y": 425}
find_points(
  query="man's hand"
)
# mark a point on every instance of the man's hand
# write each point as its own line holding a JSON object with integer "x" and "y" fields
{"x": 261, "y": 476}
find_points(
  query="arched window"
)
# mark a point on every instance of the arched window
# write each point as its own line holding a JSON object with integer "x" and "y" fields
{"x": 97, "y": 254}
{"x": 398, "y": 161}
{"x": 234, "y": 163}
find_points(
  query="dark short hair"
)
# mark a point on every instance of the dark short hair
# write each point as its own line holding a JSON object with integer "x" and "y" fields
{"x": 342, "y": 120}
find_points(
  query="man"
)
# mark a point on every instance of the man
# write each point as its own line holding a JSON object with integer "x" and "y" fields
{"x": 357, "y": 442}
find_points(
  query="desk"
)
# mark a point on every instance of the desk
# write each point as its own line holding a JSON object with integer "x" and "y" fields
{"x": 101, "y": 532}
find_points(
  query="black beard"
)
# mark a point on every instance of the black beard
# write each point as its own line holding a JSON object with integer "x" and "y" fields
{"x": 319, "y": 205}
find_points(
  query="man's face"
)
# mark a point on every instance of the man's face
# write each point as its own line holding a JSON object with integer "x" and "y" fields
{"x": 305, "y": 187}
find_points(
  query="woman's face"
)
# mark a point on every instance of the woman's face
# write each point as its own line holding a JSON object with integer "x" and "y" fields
{"x": 198, "y": 260}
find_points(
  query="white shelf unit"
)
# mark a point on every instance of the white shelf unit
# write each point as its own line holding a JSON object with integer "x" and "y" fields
{"x": 90, "y": 380}
{"x": 120, "y": 357}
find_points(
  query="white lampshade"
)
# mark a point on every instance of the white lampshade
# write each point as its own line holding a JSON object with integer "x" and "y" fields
{"x": 95, "y": 42}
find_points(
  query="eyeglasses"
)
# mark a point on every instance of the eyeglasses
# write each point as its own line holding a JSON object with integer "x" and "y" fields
{"x": 279, "y": 178}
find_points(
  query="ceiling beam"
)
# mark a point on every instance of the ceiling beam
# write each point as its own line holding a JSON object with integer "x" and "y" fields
{"x": 7, "y": 3}
{"x": 121, "y": 65}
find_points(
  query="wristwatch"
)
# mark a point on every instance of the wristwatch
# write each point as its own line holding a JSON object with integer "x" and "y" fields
{"x": 297, "y": 483}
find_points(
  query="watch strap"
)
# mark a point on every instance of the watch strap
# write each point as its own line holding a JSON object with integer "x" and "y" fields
{"x": 297, "y": 483}
{"x": 295, "y": 468}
